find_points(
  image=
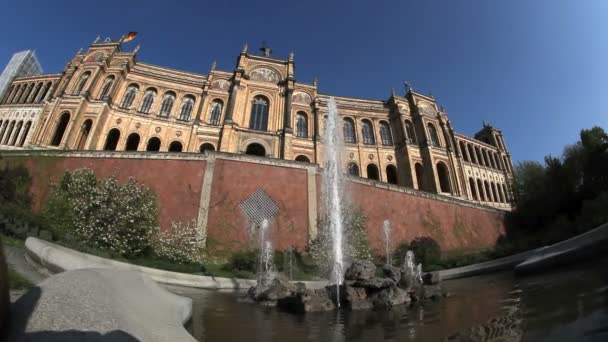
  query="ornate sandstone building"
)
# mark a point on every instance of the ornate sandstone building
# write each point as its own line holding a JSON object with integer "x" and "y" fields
{"x": 107, "y": 100}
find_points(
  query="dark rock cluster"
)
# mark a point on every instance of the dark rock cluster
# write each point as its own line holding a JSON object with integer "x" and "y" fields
{"x": 361, "y": 289}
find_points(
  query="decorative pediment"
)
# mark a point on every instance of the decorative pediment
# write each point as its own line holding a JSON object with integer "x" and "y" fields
{"x": 264, "y": 74}
{"x": 403, "y": 108}
{"x": 220, "y": 84}
{"x": 95, "y": 57}
{"x": 426, "y": 108}
{"x": 301, "y": 97}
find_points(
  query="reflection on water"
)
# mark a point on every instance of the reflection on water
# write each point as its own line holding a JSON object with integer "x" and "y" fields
{"x": 571, "y": 305}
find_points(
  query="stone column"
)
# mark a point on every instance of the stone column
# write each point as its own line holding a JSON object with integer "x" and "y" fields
{"x": 231, "y": 101}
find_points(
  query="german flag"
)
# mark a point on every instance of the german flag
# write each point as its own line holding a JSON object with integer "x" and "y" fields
{"x": 129, "y": 37}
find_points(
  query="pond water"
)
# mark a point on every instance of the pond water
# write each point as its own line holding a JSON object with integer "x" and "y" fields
{"x": 569, "y": 305}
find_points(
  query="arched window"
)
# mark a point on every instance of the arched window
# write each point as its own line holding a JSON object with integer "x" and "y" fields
{"x": 501, "y": 195}
{"x": 175, "y": 146}
{"x": 187, "y": 106}
{"x": 44, "y": 93}
{"x": 107, "y": 86}
{"x": 507, "y": 165}
{"x": 60, "y": 130}
{"x": 146, "y": 104}
{"x": 256, "y": 150}
{"x": 4, "y": 126}
{"x": 34, "y": 92}
{"x": 259, "y": 114}
{"x": 444, "y": 177}
{"x": 153, "y": 145}
{"x": 507, "y": 195}
{"x": 84, "y": 134}
{"x": 129, "y": 96}
{"x": 349, "y": 131}
{"x": 434, "y": 138}
{"x": 301, "y": 125}
{"x": 473, "y": 189}
{"x": 206, "y": 147}
{"x": 372, "y": 172}
{"x": 488, "y": 191}
{"x": 352, "y": 169}
{"x": 17, "y": 94}
{"x": 497, "y": 161}
{"x": 81, "y": 83}
{"x": 385, "y": 134}
{"x": 26, "y": 131}
{"x": 8, "y": 133}
{"x": 165, "y": 108}
{"x": 419, "y": 176}
{"x": 479, "y": 157}
{"x": 482, "y": 193}
{"x": 302, "y": 158}
{"x": 472, "y": 157}
{"x": 26, "y": 93}
{"x": 112, "y": 140}
{"x": 17, "y": 131}
{"x": 484, "y": 154}
{"x": 215, "y": 112}
{"x": 8, "y": 95}
{"x": 463, "y": 151}
{"x": 367, "y": 132}
{"x": 494, "y": 193}
{"x": 391, "y": 174}
{"x": 132, "y": 142}
{"x": 410, "y": 136}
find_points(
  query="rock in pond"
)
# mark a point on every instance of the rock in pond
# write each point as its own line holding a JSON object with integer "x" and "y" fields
{"x": 360, "y": 270}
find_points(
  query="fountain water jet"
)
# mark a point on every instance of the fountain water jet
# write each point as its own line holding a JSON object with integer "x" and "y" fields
{"x": 266, "y": 265}
{"x": 386, "y": 228}
{"x": 331, "y": 183}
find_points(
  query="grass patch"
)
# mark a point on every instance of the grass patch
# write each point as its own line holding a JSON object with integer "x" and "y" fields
{"x": 17, "y": 282}
{"x": 11, "y": 241}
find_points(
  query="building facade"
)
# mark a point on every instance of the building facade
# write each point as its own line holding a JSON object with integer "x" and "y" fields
{"x": 107, "y": 100}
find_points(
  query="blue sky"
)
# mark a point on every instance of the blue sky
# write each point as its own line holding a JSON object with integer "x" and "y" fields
{"x": 535, "y": 69}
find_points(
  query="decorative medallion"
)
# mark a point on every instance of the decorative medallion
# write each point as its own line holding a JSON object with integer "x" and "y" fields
{"x": 351, "y": 155}
{"x": 118, "y": 121}
{"x": 157, "y": 129}
{"x": 32, "y": 115}
{"x": 371, "y": 156}
{"x": 178, "y": 133}
{"x": 137, "y": 125}
{"x": 389, "y": 157}
{"x": 220, "y": 84}
{"x": 264, "y": 74}
{"x": 301, "y": 97}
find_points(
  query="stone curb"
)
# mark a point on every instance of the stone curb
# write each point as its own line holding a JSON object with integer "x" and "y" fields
{"x": 57, "y": 259}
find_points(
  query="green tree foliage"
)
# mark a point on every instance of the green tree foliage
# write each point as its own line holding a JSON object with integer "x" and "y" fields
{"x": 16, "y": 199}
{"x": 564, "y": 196}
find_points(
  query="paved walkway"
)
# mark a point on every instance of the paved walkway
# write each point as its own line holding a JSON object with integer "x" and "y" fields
{"x": 15, "y": 257}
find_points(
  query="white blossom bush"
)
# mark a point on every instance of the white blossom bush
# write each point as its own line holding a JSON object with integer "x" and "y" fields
{"x": 105, "y": 214}
{"x": 183, "y": 243}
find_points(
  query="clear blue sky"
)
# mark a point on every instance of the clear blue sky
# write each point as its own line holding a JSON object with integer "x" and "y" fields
{"x": 535, "y": 69}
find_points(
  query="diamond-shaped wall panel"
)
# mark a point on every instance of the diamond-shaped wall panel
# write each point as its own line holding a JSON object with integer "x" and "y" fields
{"x": 259, "y": 206}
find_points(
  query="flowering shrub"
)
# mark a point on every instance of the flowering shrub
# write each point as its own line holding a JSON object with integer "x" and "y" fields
{"x": 181, "y": 243}
{"x": 103, "y": 213}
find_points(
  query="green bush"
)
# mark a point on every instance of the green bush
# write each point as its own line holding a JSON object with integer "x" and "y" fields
{"x": 103, "y": 214}
{"x": 246, "y": 260}
{"x": 426, "y": 251}
{"x": 16, "y": 216}
{"x": 398, "y": 256}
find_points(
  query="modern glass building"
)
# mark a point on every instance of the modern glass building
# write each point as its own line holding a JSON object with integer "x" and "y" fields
{"x": 22, "y": 64}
